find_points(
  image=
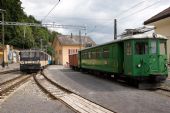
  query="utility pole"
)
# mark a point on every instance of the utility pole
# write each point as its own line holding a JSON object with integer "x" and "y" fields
{"x": 24, "y": 36}
{"x": 3, "y": 36}
{"x": 80, "y": 39}
{"x": 41, "y": 43}
{"x": 115, "y": 29}
{"x": 46, "y": 53}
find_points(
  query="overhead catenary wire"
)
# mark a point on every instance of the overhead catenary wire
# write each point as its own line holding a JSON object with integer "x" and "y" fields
{"x": 102, "y": 19}
{"x": 127, "y": 11}
{"x": 132, "y": 7}
{"x": 136, "y": 12}
{"x": 50, "y": 10}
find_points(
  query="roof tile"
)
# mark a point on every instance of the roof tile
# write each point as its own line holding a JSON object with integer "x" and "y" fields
{"x": 75, "y": 40}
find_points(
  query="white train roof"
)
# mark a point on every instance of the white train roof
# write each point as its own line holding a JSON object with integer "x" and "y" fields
{"x": 145, "y": 36}
{"x": 137, "y": 36}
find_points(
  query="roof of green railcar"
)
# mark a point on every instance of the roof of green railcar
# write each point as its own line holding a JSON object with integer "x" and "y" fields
{"x": 138, "y": 36}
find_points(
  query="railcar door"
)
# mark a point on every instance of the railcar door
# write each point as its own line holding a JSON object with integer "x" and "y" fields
{"x": 153, "y": 56}
{"x": 141, "y": 54}
{"x": 128, "y": 57}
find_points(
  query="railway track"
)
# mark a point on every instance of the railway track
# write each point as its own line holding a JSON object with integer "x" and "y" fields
{"x": 9, "y": 71}
{"x": 9, "y": 86}
{"x": 70, "y": 99}
{"x": 164, "y": 91}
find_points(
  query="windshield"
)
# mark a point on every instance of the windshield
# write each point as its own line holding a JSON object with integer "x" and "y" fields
{"x": 153, "y": 46}
{"x": 141, "y": 48}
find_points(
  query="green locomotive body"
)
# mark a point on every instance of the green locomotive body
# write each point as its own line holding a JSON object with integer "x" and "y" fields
{"x": 141, "y": 57}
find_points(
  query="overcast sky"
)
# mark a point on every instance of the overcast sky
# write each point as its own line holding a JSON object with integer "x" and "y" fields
{"x": 97, "y": 15}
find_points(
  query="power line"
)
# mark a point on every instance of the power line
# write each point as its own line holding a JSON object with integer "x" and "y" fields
{"x": 140, "y": 10}
{"x": 127, "y": 10}
{"x": 50, "y": 25}
{"x": 107, "y": 19}
{"x": 51, "y": 10}
{"x": 92, "y": 30}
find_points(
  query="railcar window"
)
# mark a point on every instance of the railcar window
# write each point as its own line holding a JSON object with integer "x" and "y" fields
{"x": 93, "y": 54}
{"x": 141, "y": 48}
{"x": 162, "y": 48}
{"x": 42, "y": 56}
{"x": 37, "y": 54}
{"x": 24, "y": 54}
{"x": 89, "y": 55}
{"x": 128, "y": 49}
{"x": 97, "y": 53}
{"x": 86, "y": 55}
{"x": 106, "y": 52}
{"x": 32, "y": 54}
{"x": 153, "y": 47}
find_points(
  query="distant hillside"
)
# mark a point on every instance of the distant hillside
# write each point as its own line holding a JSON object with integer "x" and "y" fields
{"x": 14, "y": 35}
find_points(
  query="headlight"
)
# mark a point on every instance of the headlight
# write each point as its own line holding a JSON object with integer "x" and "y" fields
{"x": 139, "y": 65}
{"x": 21, "y": 62}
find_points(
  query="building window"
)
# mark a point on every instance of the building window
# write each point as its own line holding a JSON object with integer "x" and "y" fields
{"x": 141, "y": 48}
{"x": 69, "y": 51}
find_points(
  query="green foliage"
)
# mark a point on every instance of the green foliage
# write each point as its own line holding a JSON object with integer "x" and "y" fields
{"x": 14, "y": 35}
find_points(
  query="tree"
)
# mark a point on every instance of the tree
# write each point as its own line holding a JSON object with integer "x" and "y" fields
{"x": 14, "y": 35}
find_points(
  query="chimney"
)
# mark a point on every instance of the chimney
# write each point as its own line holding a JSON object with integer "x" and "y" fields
{"x": 115, "y": 29}
{"x": 71, "y": 35}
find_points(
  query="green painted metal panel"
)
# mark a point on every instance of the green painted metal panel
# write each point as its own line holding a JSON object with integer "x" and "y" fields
{"x": 112, "y": 64}
{"x": 128, "y": 57}
{"x": 124, "y": 58}
{"x": 150, "y": 63}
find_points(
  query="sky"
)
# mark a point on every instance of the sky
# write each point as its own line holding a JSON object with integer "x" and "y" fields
{"x": 97, "y": 15}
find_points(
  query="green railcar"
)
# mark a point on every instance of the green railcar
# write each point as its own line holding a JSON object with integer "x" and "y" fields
{"x": 142, "y": 57}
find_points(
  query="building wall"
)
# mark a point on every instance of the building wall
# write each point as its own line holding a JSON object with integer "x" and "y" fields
{"x": 62, "y": 52}
{"x": 163, "y": 28}
{"x": 6, "y": 51}
{"x": 1, "y": 56}
{"x": 58, "y": 52}
{"x": 68, "y": 50}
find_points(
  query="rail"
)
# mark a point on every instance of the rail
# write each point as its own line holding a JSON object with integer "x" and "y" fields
{"x": 9, "y": 71}
{"x": 9, "y": 85}
{"x": 163, "y": 91}
{"x": 74, "y": 101}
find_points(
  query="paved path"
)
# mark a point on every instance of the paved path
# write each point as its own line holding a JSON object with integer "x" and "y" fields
{"x": 115, "y": 96}
{"x": 9, "y": 67}
{"x": 30, "y": 99}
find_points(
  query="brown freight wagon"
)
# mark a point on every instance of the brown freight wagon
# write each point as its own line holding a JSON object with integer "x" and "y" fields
{"x": 73, "y": 61}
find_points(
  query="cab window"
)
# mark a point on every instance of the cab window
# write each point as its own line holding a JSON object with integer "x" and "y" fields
{"x": 162, "y": 48}
{"x": 153, "y": 47}
{"x": 141, "y": 48}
